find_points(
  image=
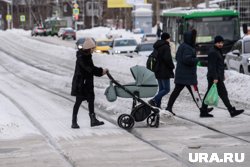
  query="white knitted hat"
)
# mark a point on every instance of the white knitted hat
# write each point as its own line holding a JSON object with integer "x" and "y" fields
{"x": 88, "y": 44}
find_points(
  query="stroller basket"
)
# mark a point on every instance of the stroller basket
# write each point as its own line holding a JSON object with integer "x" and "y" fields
{"x": 145, "y": 86}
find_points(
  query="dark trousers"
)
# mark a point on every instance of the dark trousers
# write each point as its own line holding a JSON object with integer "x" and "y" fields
{"x": 222, "y": 91}
{"x": 177, "y": 90}
{"x": 78, "y": 103}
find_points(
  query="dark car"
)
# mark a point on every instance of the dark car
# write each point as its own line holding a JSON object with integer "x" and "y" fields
{"x": 80, "y": 42}
{"x": 69, "y": 34}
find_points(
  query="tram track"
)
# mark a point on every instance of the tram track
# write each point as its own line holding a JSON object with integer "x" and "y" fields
{"x": 42, "y": 131}
{"x": 31, "y": 58}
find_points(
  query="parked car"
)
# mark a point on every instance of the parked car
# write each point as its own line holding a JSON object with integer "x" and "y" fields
{"x": 239, "y": 57}
{"x": 69, "y": 33}
{"x": 80, "y": 42}
{"x": 103, "y": 45}
{"x": 123, "y": 46}
{"x": 144, "y": 49}
{"x": 149, "y": 37}
{"x": 38, "y": 30}
{"x": 60, "y": 32}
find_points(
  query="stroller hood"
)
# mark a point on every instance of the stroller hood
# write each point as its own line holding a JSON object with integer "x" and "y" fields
{"x": 143, "y": 76}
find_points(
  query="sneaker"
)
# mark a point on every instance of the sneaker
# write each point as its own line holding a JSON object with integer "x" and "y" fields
{"x": 152, "y": 102}
{"x": 75, "y": 126}
{"x": 233, "y": 112}
{"x": 205, "y": 115}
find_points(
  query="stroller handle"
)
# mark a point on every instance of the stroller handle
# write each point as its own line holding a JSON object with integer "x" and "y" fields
{"x": 110, "y": 76}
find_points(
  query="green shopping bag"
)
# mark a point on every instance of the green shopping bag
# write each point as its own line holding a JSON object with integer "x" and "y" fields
{"x": 212, "y": 97}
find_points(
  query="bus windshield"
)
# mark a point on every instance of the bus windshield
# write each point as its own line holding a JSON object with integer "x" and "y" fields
{"x": 208, "y": 28}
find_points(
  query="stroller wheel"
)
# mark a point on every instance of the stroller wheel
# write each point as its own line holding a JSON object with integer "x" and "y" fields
{"x": 126, "y": 121}
{"x": 153, "y": 120}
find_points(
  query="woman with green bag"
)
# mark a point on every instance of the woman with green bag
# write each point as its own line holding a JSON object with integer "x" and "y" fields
{"x": 215, "y": 75}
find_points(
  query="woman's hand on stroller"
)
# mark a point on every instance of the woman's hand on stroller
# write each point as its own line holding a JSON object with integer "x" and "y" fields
{"x": 105, "y": 71}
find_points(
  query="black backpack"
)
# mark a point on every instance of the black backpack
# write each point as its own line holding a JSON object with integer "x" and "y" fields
{"x": 152, "y": 61}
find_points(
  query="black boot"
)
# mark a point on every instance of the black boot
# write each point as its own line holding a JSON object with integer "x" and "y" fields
{"x": 94, "y": 121}
{"x": 210, "y": 109}
{"x": 204, "y": 113}
{"x": 233, "y": 112}
{"x": 170, "y": 110}
{"x": 74, "y": 123}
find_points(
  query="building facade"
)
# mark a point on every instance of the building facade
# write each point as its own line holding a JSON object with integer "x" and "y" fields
{"x": 243, "y": 6}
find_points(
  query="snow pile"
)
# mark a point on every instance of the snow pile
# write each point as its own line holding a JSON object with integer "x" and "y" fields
{"x": 105, "y": 32}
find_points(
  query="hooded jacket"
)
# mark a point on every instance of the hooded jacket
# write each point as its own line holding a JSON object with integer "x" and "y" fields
{"x": 186, "y": 69}
{"x": 164, "y": 67}
{"x": 83, "y": 79}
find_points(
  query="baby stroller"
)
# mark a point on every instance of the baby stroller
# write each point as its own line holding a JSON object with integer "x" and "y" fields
{"x": 145, "y": 85}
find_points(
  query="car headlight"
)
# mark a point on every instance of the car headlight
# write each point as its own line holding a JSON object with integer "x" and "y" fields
{"x": 117, "y": 51}
{"x": 248, "y": 60}
{"x": 79, "y": 46}
{"x": 98, "y": 51}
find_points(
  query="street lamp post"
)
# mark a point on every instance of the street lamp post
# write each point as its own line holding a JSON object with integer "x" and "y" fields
{"x": 92, "y": 18}
{"x": 207, "y": 3}
{"x": 12, "y": 13}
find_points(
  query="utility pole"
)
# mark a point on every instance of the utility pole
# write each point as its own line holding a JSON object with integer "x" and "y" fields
{"x": 83, "y": 13}
{"x": 238, "y": 5}
{"x": 30, "y": 14}
{"x": 92, "y": 18}
{"x": 8, "y": 11}
{"x": 157, "y": 12}
{"x": 207, "y": 3}
{"x": 12, "y": 14}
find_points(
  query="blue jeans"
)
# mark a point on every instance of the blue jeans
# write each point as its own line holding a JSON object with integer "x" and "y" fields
{"x": 164, "y": 88}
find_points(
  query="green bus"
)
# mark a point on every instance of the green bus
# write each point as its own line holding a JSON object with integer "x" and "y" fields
{"x": 207, "y": 22}
{"x": 52, "y": 25}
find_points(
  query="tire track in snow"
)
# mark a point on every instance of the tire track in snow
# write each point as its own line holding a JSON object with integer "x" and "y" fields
{"x": 43, "y": 131}
{"x": 31, "y": 59}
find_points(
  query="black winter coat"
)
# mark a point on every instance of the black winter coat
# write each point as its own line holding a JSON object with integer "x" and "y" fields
{"x": 164, "y": 67}
{"x": 215, "y": 64}
{"x": 186, "y": 69}
{"x": 83, "y": 79}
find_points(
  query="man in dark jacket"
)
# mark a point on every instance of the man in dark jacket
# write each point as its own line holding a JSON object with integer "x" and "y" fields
{"x": 164, "y": 68}
{"x": 185, "y": 73}
{"x": 216, "y": 75}
{"x": 83, "y": 82}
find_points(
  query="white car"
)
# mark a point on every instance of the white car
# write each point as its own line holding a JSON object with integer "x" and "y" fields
{"x": 123, "y": 46}
{"x": 144, "y": 49}
{"x": 239, "y": 57}
{"x": 149, "y": 38}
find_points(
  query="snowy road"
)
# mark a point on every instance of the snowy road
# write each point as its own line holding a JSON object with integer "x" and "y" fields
{"x": 36, "y": 108}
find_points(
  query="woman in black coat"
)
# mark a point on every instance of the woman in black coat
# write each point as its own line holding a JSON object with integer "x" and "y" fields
{"x": 83, "y": 82}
